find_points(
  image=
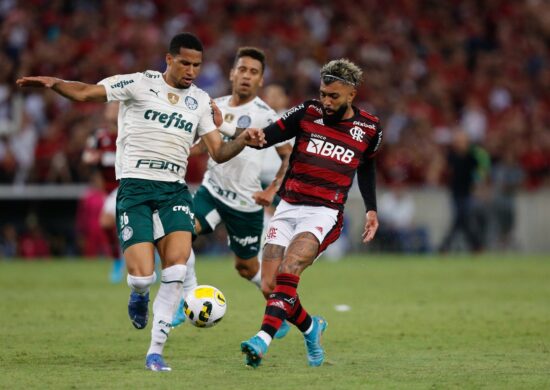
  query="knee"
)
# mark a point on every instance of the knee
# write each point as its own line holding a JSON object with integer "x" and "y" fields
{"x": 173, "y": 257}
{"x": 141, "y": 284}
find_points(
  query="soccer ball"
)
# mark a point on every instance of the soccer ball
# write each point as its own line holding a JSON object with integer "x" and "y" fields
{"x": 205, "y": 306}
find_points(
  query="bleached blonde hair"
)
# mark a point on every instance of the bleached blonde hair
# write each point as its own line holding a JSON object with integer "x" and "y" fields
{"x": 342, "y": 70}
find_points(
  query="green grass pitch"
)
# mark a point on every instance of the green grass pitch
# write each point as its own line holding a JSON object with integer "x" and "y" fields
{"x": 415, "y": 323}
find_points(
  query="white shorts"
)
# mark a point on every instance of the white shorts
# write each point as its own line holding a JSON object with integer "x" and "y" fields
{"x": 290, "y": 219}
{"x": 109, "y": 206}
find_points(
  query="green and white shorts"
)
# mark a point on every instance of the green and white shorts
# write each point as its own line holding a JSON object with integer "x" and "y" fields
{"x": 244, "y": 229}
{"x": 148, "y": 210}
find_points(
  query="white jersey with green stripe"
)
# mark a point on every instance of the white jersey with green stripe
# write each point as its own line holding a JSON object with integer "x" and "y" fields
{"x": 156, "y": 125}
{"x": 234, "y": 181}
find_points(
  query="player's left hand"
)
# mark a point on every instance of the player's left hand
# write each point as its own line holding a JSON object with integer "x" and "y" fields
{"x": 253, "y": 137}
{"x": 216, "y": 114}
{"x": 371, "y": 226}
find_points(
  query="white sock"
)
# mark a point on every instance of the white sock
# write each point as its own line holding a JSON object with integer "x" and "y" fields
{"x": 308, "y": 331}
{"x": 190, "y": 281}
{"x": 265, "y": 337}
{"x": 140, "y": 284}
{"x": 257, "y": 279}
{"x": 165, "y": 305}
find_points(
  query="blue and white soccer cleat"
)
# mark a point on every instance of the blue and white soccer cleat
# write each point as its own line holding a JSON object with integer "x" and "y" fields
{"x": 179, "y": 316}
{"x": 254, "y": 349}
{"x": 155, "y": 362}
{"x": 283, "y": 330}
{"x": 138, "y": 309}
{"x": 314, "y": 350}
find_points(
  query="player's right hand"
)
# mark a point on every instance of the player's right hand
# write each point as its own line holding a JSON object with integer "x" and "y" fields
{"x": 37, "y": 81}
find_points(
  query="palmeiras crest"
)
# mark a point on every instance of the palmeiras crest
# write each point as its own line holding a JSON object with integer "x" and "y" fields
{"x": 191, "y": 103}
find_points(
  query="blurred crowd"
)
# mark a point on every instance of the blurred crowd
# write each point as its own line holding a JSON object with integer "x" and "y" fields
{"x": 433, "y": 68}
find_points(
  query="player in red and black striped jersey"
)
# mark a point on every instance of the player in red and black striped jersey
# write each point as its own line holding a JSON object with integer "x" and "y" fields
{"x": 100, "y": 152}
{"x": 326, "y": 156}
{"x": 333, "y": 141}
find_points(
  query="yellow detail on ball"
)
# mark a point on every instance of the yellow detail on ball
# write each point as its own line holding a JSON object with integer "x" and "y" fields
{"x": 204, "y": 292}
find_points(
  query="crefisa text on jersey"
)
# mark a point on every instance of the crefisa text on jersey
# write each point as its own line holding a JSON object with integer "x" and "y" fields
{"x": 167, "y": 120}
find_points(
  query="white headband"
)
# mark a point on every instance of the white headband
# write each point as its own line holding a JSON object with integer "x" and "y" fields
{"x": 339, "y": 79}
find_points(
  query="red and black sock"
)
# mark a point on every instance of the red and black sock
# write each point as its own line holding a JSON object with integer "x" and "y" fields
{"x": 281, "y": 303}
{"x": 300, "y": 317}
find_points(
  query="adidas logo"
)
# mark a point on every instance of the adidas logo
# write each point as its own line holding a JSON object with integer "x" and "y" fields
{"x": 278, "y": 304}
{"x": 319, "y": 121}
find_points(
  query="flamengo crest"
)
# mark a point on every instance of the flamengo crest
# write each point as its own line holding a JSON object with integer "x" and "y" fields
{"x": 357, "y": 133}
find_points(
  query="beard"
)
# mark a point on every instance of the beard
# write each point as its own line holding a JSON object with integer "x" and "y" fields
{"x": 331, "y": 119}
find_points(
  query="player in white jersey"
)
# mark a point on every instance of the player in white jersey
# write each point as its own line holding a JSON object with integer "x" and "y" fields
{"x": 159, "y": 115}
{"x": 231, "y": 192}
{"x": 235, "y": 182}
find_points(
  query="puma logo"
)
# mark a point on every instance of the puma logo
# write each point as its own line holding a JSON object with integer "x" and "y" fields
{"x": 155, "y": 92}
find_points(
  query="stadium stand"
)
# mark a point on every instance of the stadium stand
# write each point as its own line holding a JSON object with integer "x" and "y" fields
{"x": 432, "y": 67}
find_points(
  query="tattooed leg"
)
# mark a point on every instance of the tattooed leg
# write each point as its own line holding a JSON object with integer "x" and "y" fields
{"x": 300, "y": 254}
{"x": 271, "y": 260}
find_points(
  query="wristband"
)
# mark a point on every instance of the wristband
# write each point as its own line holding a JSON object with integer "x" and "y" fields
{"x": 227, "y": 129}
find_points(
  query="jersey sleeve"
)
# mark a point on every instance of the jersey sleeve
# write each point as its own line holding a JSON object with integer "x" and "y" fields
{"x": 366, "y": 180}
{"x": 375, "y": 142}
{"x": 286, "y": 127}
{"x": 121, "y": 87}
{"x": 272, "y": 117}
{"x": 366, "y": 172}
{"x": 206, "y": 120}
